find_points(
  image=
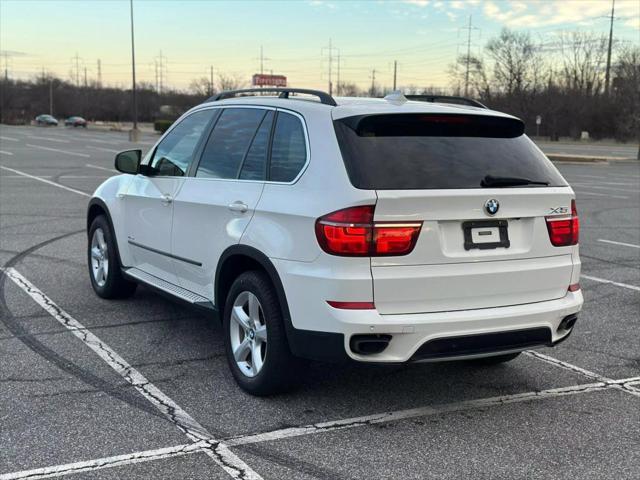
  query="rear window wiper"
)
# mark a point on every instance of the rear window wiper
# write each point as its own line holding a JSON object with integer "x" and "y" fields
{"x": 491, "y": 181}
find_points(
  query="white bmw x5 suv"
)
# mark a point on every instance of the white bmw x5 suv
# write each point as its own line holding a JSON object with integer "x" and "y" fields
{"x": 374, "y": 230}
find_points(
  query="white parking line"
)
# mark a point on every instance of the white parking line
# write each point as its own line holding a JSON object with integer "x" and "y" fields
{"x": 617, "y": 284}
{"x": 219, "y": 451}
{"x": 112, "y": 170}
{"x": 320, "y": 427}
{"x": 76, "y": 154}
{"x": 44, "y": 180}
{"x": 598, "y": 194}
{"x": 107, "y": 462}
{"x": 3, "y": 152}
{"x": 618, "y": 243}
{"x": 110, "y": 150}
{"x": 10, "y": 139}
{"x": 607, "y": 188}
{"x": 617, "y": 384}
{"x": 49, "y": 139}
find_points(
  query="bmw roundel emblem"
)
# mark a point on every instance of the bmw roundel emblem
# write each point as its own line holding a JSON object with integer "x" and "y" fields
{"x": 492, "y": 206}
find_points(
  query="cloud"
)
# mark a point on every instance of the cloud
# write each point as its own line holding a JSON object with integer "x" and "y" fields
{"x": 419, "y": 3}
{"x": 514, "y": 13}
{"x": 322, "y": 3}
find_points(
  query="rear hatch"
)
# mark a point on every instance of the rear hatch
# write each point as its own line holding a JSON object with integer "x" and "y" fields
{"x": 483, "y": 192}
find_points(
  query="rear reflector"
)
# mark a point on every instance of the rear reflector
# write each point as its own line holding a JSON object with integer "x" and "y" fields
{"x": 563, "y": 230}
{"x": 352, "y": 305}
{"x": 351, "y": 232}
{"x": 574, "y": 287}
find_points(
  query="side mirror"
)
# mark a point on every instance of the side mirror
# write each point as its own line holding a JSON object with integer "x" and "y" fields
{"x": 128, "y": 161}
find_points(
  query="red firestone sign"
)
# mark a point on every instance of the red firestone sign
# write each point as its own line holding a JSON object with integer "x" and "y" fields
{"x": 264, "y": 80}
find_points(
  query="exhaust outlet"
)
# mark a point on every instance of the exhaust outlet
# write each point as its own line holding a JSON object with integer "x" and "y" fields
{"x": 568, "y": 322}
{"x": 369, "y": 344}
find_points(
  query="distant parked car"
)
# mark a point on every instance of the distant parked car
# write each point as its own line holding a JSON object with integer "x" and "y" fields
{"x": 75, "y": 122}
{"x": 46, "y": 120}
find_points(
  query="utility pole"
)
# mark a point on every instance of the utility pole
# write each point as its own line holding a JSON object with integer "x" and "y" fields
{"x": 395, "y": 74}
{"x": 466, "y": 75}
{"x": 373, "y": 82}
{"x": 50, "y": 96}
{"x": 99, "y": 74}
{"x": 155, "y": 63}
{"x": 211, "y": 80}
{"x": 6, "y": 66}
{"x": 330, "y": 62}
{"x": 76, "y": 61}
{"x": 608, "y": 72}
{"x": 261, "y": 61}
{"x": 133, "y": 134}
{"x": 338, "y": 88}
{"x": 160, "y": 65}
{"x": 85, "y": 77}
{"x": 330, "y": 50}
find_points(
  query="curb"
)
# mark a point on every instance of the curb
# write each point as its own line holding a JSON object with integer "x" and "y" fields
{"x": 558, "y": 157}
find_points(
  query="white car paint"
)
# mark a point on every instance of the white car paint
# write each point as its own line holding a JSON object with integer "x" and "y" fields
{"x": 437, "y": 290}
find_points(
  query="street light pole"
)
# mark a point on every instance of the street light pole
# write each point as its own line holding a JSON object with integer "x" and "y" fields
{"x": 133, "y": 134}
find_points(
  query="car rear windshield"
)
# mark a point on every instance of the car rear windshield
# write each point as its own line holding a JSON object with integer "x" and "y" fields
{"x": 439, "y": 151}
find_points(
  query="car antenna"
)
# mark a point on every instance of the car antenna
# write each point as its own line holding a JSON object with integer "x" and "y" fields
{"x": 396, "y": 97}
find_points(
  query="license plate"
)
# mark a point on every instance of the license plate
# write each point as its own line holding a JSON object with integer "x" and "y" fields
{"x": 486, "y": 234}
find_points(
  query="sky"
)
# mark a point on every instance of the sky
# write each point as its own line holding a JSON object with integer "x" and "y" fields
{"x": 193, "y": 36}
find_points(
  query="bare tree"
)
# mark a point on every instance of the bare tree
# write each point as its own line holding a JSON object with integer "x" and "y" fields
{"x": 517, "y": 63}
{"x": 479, "y": 82}
{"x": 626, "y": 93}
{"x": 231, "y": 81}
{"x": 201, "y": 87}
{"x": 583, "y": 57}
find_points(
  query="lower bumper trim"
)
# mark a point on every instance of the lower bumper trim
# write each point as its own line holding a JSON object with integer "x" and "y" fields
{"x": 483, "y": 343}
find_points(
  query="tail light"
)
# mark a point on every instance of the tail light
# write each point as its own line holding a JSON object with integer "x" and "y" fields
{"x": 351, "y": 232}
{"x": 564, "y": 231}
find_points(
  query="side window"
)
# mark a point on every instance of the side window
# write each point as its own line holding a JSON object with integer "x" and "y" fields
{"x": 230, "y": 142}
{"x": 175, "y": 152}
{"x": 289, "y": 152}
{"x": 255, "y": 163}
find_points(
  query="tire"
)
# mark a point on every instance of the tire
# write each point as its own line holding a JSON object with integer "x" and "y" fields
{"x": 102, "y": 251}
{"x": 496, "y": 360}
{"x": 263, "y": 367}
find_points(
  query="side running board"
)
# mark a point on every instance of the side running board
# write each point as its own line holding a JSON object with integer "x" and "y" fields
{"x": 170, "y": 288}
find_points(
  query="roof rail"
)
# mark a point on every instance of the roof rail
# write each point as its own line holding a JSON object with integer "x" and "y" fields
{"x": 446, "y": 99}
{"x": 284, "y": 92}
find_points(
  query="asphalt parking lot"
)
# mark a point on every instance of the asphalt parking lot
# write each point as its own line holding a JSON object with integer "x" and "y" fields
{"x": 139, "y": 388}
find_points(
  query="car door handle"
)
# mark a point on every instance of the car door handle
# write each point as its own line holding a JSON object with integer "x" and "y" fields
{"x": 238, "y": 206}
{"x": 166, "y": 199}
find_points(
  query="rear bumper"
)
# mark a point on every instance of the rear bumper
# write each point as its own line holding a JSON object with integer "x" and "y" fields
{"x": 441, "y": 336}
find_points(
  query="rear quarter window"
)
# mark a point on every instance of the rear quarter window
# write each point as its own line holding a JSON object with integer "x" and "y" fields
{"x": 436, "y": 151}
{"x": 289, "y": 149}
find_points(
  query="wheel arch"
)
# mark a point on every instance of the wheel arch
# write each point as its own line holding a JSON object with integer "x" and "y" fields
{"x": 96, "y": 208}
{"x": 240, "y": 258}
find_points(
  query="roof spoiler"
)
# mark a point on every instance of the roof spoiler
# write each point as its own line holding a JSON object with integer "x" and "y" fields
{"x": 446, "y": 99}
{"x": 283, "y": 92}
